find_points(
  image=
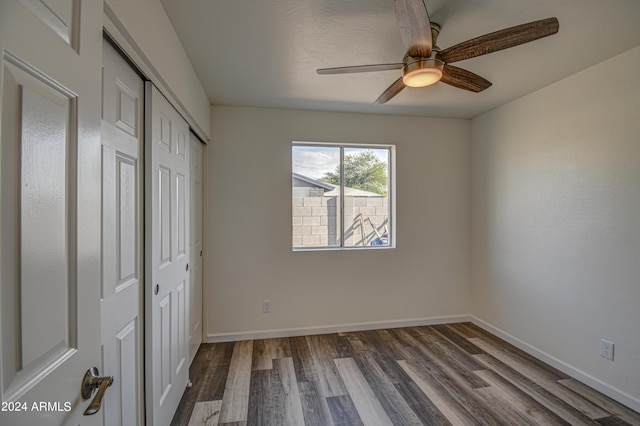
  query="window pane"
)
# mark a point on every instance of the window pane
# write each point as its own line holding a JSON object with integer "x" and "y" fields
{"x": 330, "y": 213}
{"x": 315, "y": 196}
{"x": 366, "y": 197}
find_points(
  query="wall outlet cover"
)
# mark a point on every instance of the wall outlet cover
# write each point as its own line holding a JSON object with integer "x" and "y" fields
{"x": 606, "y": 349}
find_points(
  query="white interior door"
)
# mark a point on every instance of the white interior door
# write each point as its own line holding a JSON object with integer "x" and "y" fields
{"x": 122, "y": 262}
{"x": 167, "y": 257}
{"x": 50, "y": 242}
{"x": 195, "y": 290}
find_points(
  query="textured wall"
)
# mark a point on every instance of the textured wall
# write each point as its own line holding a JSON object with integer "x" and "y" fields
{"x": 248, "y": 224}
{"x": 556, "y": 220}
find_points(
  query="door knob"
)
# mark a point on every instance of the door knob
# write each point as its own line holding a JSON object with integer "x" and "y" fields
{"x": 91, "y": 382}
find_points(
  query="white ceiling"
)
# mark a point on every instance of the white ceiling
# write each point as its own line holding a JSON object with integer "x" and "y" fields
{"x": 265, "y": 52}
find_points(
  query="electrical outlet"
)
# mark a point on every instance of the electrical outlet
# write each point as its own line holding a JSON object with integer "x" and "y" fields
{"x": 266, "y": 306}
{"x": 606, "y": 349}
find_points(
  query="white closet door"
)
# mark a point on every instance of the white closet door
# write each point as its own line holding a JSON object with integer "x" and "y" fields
{"x": 121, "y": 307}
{"x": 195, "y": 293}
{"x": 167, "y": 256}
{"x": 50, "y": 240}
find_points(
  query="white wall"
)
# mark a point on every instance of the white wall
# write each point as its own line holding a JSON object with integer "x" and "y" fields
{"x": 556, "y": 221}
{"x": 247, "y": 223}
{"x": 143, "y": 30}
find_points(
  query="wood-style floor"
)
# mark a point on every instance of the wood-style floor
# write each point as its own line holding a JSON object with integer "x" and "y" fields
{"x": 437, "y": 375}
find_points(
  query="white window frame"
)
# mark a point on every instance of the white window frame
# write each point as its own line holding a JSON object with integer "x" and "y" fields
{"x": 391, "y": 195}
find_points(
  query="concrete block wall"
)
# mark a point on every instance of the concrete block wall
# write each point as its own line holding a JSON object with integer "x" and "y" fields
{"x": 316, "y": 222}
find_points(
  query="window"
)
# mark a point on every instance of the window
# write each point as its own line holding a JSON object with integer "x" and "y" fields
{"x": 342, "y": 196}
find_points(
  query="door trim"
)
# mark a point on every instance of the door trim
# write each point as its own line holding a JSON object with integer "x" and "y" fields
{"x": 116, "y": 31}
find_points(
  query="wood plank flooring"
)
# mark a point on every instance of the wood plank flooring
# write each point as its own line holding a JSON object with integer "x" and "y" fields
{"x": 434, "y": 375}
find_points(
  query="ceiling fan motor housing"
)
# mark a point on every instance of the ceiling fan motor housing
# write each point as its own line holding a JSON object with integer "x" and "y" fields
{"x": 421, "y": 72}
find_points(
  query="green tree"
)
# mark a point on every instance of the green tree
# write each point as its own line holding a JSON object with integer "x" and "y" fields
{"x": 363, "y": 170}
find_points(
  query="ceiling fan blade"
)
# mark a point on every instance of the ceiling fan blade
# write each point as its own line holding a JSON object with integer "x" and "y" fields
{"x": 414, "y": 26}
{"x": 395, "y": 88}
{"x": 463, "y": 79}
{"x": 360, "y": 68}
{"x": 499, "y": 40}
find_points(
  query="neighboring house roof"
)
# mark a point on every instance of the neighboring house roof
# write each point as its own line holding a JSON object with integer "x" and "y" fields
{"x": 332, "y": 191}
{"x": 314, "y": 182}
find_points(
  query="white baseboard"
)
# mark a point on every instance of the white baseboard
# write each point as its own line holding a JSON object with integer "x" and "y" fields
{"x": 569, "y": 370}
{"x": 306, "y": 331}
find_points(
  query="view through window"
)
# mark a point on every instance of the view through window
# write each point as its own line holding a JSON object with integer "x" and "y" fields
{"x": 341, "y": 196}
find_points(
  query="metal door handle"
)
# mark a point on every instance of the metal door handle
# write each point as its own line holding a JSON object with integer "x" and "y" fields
{"x": 91, "y": 382}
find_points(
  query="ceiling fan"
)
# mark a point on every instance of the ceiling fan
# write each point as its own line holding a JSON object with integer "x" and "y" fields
{"x": 425, "y": 63}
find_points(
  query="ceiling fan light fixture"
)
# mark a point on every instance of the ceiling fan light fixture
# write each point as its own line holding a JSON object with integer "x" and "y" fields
{"x": 422, "y": 72}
